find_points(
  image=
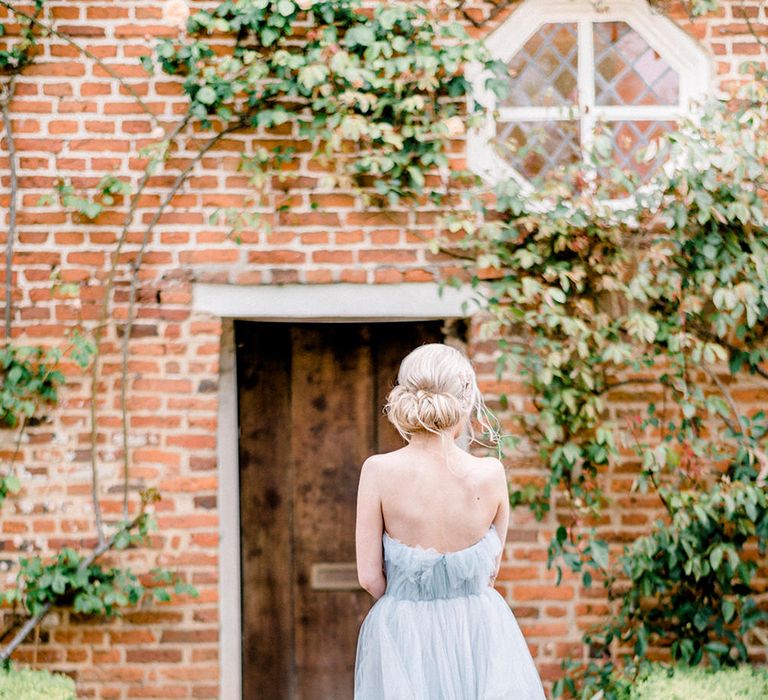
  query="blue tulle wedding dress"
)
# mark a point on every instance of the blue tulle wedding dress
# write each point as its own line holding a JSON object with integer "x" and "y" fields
{"x": 441, "y": 631}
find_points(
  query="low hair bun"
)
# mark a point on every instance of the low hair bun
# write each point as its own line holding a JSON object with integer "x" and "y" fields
{"x": 412, "y": 410}
{"x": 436, "y": 389}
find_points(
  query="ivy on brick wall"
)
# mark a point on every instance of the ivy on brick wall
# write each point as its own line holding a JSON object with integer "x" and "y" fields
{"x": 29, "y": 383}
{"x": 30, "y": 380}
{"x": 659, "y": 295}
{"x": 372, "y": 97}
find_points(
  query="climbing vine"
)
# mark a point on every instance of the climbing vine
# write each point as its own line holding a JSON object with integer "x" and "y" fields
{"x": 371, "y": 98}
{"x": 652, "y": 294}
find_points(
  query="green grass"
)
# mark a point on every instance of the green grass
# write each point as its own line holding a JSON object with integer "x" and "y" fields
{"x": 25, "y": 684}
{"x": 744, "y": 683}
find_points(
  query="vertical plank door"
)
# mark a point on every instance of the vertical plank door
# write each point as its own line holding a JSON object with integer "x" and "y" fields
{"x": 310, "y": 412}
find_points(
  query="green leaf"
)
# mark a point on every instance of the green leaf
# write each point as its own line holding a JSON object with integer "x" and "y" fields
{"x": 286, "y": 8}
{"x": 12, "y": 483}
{"x": 269, "y": 36}
{"x": 360, "y": 35}
{"x": 729, "y": 610}
{"x": 716, "y": 557}
{"x": 206, "y": 95}
{"x": 599, "y": 551}
{"x": 161, "y": 595}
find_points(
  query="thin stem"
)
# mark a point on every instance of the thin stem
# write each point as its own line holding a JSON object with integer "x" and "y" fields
{"x": 132, "y": 292}
{"x": 180, "y": 181}
{"x": 751, "y": 26}
{"x": 14, "y": 185}
{"x": 706, "y": 334}
{"x": 17, "y": 446}
{"x": 13, "y": 172}
{"x": 443, "y": 249}
{"x": 99, "y": 334}
{"x": 651, "y": 473}
{"x": 762, "y": 458}
{"x": 625, "y": 382}
{"x": 95, "y": 471}
{"x": 55, "y": 32}
{"x": 124, "y": 392}
{"x": 736, "y": 428}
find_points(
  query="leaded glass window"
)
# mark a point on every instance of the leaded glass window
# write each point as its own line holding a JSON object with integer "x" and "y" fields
{"x": 572, "y": 68}
{"x": 628, "y": 71}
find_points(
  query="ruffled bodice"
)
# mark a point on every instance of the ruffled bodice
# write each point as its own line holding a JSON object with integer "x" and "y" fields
{"x": 423, "y": 573}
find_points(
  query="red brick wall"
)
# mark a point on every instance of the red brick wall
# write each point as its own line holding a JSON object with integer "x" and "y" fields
{"x": 71, "y": 119}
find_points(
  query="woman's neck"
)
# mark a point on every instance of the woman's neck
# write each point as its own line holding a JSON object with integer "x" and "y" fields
{"x": 433, "y": 443}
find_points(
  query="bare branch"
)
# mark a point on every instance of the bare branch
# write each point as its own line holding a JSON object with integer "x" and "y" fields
{"x": 132, "y": 292}
{"x": 14, "y": 186}
{"x": 10, "y": 88}
{"x": 751, "y": 27}
{"x": 626, "y": 382}
{"x": 99, "y": 334}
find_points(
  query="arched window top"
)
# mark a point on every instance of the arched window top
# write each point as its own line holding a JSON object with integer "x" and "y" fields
{"x": 574, "y": 63}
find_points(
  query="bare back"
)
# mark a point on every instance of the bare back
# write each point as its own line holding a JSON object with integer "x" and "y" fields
{"x": 414, "y": 497}
{"x": 425, "y": 503}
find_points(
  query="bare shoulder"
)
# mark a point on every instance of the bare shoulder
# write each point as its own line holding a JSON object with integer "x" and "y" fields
{"x": 375, "y": 464}
{"x": 384, "y": 459}
{"x": 492, "y": 470}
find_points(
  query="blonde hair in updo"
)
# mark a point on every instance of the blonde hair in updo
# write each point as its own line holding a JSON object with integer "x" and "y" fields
{"x": 437, "y": 388}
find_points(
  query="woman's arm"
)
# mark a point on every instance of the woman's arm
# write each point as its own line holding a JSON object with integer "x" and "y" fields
{"x": 369, "y": 529}
{"x": 501, "y": 521}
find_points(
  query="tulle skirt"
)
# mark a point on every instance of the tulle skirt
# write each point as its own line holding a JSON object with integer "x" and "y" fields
{"x": 462, "y": 648}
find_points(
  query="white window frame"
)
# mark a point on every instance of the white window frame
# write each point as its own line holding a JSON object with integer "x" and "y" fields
{"x": 682, "y": 52}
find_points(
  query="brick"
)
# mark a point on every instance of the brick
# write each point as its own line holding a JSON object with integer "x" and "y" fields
{"x": 143, "y": 656}
{"x": 333, "y": 256}
{"x": 60, "y": 68}
{"x": 377, "y": 218}
{"x": 209, "y": 256}
{"x": 320, "y": 276}
{"x": 106, "y": 12}
{"x": 543, "y": 592}
{"x": 111, "y": 145}
{"x": 309, "y": 219}
{"x": 276, "y": 256}
{"x": 189, "y": 484}
{"x": 389, "y": 255}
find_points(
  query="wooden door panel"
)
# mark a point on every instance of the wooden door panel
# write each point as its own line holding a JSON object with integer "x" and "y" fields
{"x": 332, "y": 431}
{"x": 310, "y": 412}
{"x": 266, "y": 495}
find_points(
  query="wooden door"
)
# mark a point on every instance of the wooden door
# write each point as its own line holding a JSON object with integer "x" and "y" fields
{"x": 310, "y": 412}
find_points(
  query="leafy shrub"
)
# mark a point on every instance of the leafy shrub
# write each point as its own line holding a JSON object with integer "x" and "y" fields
{"x": 743, "y": 683}
{"x": 664, "y": 296}
{"x": 25, "y": 684}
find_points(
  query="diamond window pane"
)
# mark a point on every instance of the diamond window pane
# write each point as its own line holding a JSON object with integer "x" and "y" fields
{"x": 629, "y": 137}
{"x": 628, "y": 71}
{"x": 544, "y": 72}
{"x": 533, "y": 148}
